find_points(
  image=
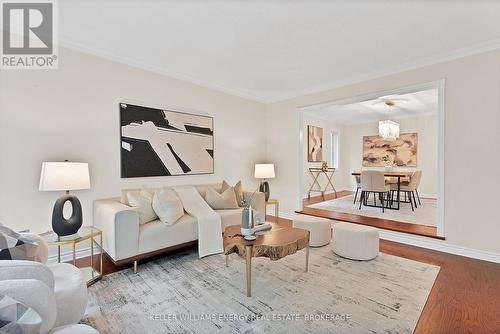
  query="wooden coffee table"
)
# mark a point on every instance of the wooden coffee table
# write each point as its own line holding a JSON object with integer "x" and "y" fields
{"x": 274, "y": 244}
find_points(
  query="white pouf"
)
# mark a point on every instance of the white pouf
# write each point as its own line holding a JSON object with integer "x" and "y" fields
{"x": 356, "y": 242}
{"x": 320, "y": 229}
{"x": 71, "y": 293}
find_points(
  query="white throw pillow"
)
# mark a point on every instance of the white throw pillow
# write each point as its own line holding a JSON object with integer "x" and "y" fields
{"x": 167, "y": 206}
{"x": 143, "y": 203}
{"x": 226, "y": 200}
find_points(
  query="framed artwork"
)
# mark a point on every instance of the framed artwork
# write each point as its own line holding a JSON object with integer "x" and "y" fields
{"x": 400, "y": 152}
{"x": 158, "y": 142}
{"x": 314, "y": 144}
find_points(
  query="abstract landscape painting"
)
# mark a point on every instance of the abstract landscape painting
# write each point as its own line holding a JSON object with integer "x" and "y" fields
{"x": 157, "y": 142}
{"x": 314, "y": 144}
{"x": 401, "y": 152}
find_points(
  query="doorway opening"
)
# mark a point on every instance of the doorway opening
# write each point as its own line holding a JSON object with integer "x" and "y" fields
{"x": 409, "y": 155}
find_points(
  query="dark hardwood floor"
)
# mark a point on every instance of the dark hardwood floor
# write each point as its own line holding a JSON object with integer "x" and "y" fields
{"x": 386, "y": 224}
{"x": 464, "y": 299}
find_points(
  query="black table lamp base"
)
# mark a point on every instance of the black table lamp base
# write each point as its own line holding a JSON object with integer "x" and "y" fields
{"x": 61, "y": 225}
{"x": 264, "y": 187}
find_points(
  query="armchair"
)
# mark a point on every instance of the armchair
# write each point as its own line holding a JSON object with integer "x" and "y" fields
{"x": 56, "y": 292}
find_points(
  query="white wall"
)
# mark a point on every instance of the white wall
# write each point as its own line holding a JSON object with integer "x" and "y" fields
{"x": 72, "y": 113}
{"x": 472, "y": 131}
{"x": 427, "y": 149}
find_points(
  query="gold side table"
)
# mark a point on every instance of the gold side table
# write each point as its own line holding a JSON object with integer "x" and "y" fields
{"x": 90, "y": 274}
{"x": 276, "y": 204}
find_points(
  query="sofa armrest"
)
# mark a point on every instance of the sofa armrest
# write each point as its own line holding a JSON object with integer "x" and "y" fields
{"x": 258, "y": 201}
{"x": 119, "y": 224}
{"x": 24, "y": 269}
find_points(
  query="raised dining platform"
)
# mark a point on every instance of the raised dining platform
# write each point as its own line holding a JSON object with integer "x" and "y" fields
{"x": 386, "y": 224}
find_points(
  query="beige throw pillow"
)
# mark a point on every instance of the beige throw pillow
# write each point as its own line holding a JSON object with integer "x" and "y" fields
{"x": 167, "y": 206}
{"x": 225, "y": 200}
{"x": 238, "y": 191}
{"x": 142, "y": 201}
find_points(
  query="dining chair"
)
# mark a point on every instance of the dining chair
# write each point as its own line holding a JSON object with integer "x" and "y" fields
{"x": 409, "y": 188}
{"x": 358, "y": 186}
{"x": 373, "y": 181}
{"x": 419, "y": 176}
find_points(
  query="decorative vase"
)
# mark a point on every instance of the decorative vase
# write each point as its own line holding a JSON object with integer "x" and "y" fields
{"x": 247, "y": 221}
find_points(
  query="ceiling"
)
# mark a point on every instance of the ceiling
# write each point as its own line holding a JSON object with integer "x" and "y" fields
{"x": 405, "y": 106}
{"x": 270, "y": 50}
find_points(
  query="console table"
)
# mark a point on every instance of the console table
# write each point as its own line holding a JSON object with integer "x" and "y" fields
{"x": 315, "y": 173}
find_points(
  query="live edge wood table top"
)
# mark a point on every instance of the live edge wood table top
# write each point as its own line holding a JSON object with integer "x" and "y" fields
{"x": 275, "y": 244}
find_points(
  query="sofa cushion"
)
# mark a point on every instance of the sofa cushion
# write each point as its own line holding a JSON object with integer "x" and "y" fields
{"x": 156, "y": 235}
{"x": 167, "y": 206}
{"x": 143, "y": 204}
{"x": 238, "y": 191}
{"x": 224, "y": 200}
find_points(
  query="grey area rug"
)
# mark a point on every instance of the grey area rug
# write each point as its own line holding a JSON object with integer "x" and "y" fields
{"x": 425, "y": 214}
{"x": 184, "y": 294}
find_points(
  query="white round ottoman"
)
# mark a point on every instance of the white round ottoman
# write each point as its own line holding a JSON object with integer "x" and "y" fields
{"x": 320, "y": 229}
{"x": 356, "y": 242}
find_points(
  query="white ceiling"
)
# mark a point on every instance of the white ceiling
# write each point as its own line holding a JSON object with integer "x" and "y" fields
{"x": 406, "y": 105}
{"x": 269, "y": 50}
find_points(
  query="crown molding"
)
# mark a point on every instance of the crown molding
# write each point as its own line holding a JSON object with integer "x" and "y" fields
{"x": 436, "y": 59}
{"x": 157, "y": 70}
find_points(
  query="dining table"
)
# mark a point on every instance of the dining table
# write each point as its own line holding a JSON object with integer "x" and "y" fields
{"x": 399, "y": 174}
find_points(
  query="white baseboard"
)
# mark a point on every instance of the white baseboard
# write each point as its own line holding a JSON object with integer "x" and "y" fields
{"x": 68, "y": 255}
{"x": 439, "y": 245}
{"x": 425, "y": 242}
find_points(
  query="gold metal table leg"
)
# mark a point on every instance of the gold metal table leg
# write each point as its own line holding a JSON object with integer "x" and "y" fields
{"x": 307, "y": 258}
{"x": 92, "y": 253}
{"x": 74, "y": 254}
{"x": 277, "y": 211}
{"x": 248, "y": 253}
{"x": 315, "y": 176}
{"x": 329, "y": 183}
{"x": 100, "y": 245}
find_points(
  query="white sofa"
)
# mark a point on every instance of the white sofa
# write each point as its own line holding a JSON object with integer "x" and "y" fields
{"x": 126, "y": 241}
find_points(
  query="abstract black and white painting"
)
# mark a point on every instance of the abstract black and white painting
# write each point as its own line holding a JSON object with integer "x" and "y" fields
{"x": 158, "y": 142}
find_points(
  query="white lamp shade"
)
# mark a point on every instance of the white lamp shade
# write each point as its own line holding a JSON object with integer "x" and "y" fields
{"x": 264, "y": 171}
{"x": 388, "y": 130}
{"x": 62, "y": 176}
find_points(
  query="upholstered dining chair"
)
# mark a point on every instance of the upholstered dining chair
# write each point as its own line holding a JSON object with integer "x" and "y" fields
{"x": 419, "y": 178}
{"x": 409, "y": 188}
{"x": 373, "y": 181}
{"x": 358, "y": 186}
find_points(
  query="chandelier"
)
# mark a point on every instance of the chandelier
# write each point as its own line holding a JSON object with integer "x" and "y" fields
{"x": 388, "y": 130}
